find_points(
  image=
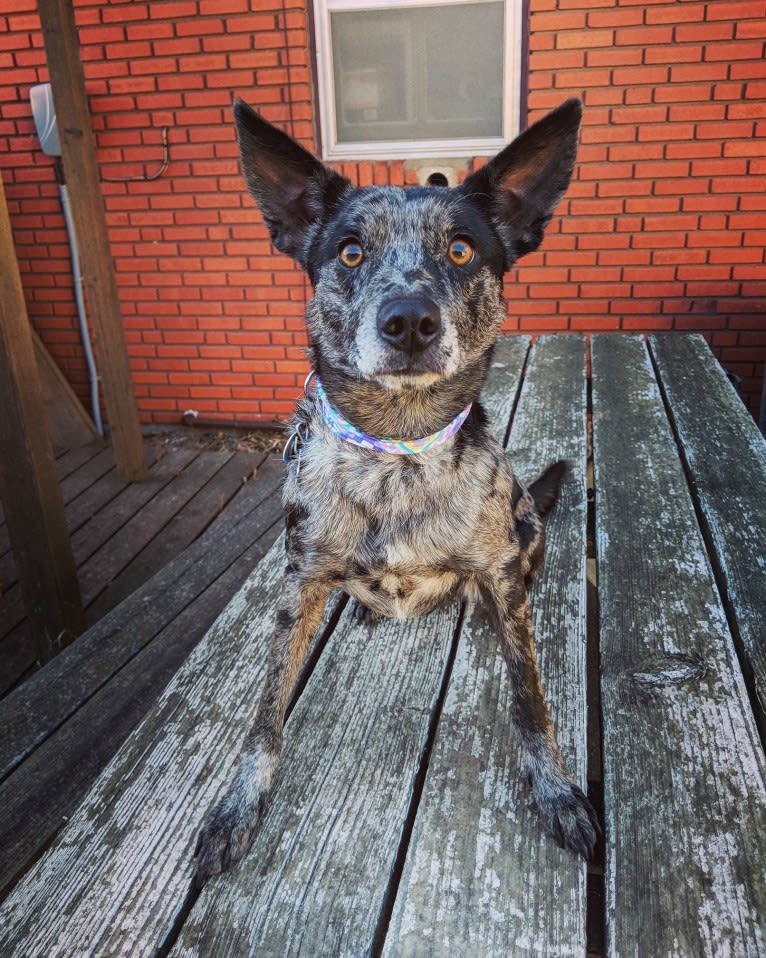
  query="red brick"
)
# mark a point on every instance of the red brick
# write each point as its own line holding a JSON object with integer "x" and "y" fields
{"x": 612, "y": 56}
{"x": 704, "y": 32}
{"x": 618, "y": 17}
{"x": 734, "y": 51}
{"x": 735, "y": 11}
{"x": 643, "y": 74}
{"x": 173, "y": 9}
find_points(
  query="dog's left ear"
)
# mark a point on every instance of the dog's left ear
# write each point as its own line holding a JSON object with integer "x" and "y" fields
{"x": 521, "y": 186}
{"x": 292, "y": 188}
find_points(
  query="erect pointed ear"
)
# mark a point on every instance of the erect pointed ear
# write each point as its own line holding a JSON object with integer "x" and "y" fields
{"x": 292, "y": 188}
{"x": 521, "y": 186}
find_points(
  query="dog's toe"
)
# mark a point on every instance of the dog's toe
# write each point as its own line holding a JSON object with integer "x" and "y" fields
{"x": 224, "y": 840}
{"x": 363, "y": 614}
{"x": 570, "y": 819}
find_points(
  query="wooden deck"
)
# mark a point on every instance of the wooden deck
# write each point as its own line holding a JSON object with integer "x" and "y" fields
{"x": 399, "y": 825}
{"x": 123, "y": 534}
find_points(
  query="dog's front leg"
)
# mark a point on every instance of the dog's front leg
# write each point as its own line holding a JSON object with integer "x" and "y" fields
{"x": 226, "y": 835}
{"x": 566, "y": 812}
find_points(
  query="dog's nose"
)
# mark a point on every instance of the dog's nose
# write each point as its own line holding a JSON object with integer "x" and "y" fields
{"x": 409, "y": 324}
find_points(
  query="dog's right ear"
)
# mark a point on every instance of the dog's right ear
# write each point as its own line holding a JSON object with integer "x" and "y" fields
{"x": 292, "y": 188}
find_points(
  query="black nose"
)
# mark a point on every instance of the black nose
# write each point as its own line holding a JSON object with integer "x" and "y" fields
{"x": 409, "y": 324}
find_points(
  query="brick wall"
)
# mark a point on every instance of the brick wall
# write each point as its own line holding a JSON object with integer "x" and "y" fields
{"x": 665, "y": 221}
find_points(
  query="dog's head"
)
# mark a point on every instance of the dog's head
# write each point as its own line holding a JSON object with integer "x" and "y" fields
{"x": 407, "y": 282}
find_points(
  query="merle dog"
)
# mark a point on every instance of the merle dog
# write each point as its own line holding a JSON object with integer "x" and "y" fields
{"x": 407, "y": 306}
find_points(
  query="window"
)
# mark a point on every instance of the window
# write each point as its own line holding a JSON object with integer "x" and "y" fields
{"x": 417, "y": 78}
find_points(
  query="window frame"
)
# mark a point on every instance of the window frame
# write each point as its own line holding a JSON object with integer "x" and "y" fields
{"x": 513, "y": 86}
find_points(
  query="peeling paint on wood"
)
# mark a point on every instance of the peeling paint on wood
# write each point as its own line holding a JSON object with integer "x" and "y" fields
{"x": 683, "y": 765}
{"x": 481, "y": 879}
{"x": 121, "y": 869}
{"x": 726, "y": 457}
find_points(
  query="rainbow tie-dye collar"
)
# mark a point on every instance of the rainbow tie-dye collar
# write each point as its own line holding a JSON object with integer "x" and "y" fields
{"x": 348, "y": 432}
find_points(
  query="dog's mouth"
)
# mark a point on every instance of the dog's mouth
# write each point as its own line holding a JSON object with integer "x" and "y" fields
{"x": 408, "y": 379}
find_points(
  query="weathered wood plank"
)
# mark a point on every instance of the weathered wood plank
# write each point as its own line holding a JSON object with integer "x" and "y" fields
{"x": 69, "y": 425}
{"x": 684, "y": 772}
{"x": 106, "y": 564}
{"x": 179, "y": 532}
{"x": 29, "y": 487}
{"x": 120, "y": 510}
{"x": 323, "y": 855}
{"x": 504, "y": 382}
{"x": 151, "y": 800}
{"x": 726, "y": 461}
{"x": 33, "y": 711}
{"x": 103, "y": 531}
{"x": 480, "y": 878}
{"x": 59, "y": 773}
{"x": 77, "y": 492}
{"x": 67, "y": 463}
{"x": 122, "y": 865}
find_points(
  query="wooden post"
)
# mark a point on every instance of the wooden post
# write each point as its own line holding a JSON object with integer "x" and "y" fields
{"x": 81, "y": 172}
{"x": 29, "y": 487}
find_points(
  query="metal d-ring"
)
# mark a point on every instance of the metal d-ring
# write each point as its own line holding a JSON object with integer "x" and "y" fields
{"x": 297, "y": 438}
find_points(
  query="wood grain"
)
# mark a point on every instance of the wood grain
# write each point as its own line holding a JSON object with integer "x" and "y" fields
{"x": 37, "y": 708}
{"x": 683, "y": 764}
{"x": 480, "y": 878}
{"x": 60, "y": 771}
{"x": 725, "y": 455}
{"x": 122, "y": 866}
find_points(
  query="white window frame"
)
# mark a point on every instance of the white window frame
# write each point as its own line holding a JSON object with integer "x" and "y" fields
{"x": 414, "y": 149}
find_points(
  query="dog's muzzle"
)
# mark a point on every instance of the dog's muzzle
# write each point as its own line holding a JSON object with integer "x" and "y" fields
{"x": 409, "y": 324}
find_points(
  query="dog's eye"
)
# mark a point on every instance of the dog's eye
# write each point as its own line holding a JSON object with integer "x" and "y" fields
{"x": 460, "y": 252}
{"x": 351, "y": 254}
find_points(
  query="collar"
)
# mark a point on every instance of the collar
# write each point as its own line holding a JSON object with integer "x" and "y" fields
{"x": 348, "y": 432}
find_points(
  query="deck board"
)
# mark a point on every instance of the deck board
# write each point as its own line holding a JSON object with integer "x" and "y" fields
{"x": 725, "y": 455}
{"x": 179, "y": 531}
{"x": 62, "y": 727}
{"x": 477, "y": 848}
{"x": 122, "y": 535}
{"x": 684, "y": 772}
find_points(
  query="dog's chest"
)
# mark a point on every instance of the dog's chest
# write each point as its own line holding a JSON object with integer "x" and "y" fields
{"x": 403, "y": 537}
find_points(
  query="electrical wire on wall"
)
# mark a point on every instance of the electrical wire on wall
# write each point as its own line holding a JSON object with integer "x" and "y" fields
{"x": 146, "y": 177}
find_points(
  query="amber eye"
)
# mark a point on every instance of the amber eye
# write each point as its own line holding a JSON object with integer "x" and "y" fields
{"x": 460, "y": 252}
{"x": 351, "y": 254}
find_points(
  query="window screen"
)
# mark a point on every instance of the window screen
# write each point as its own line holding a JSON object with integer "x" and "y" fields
{"x": 418, "y": 72}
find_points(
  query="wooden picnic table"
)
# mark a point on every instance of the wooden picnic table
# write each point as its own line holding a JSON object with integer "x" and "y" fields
{"x": 399, "y": 824}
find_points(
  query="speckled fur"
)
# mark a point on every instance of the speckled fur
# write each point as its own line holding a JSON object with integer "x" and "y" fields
{"x": 404, "y": 534}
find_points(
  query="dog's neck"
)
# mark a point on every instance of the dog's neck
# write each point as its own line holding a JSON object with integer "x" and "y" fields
{"x": 407, "y": 413}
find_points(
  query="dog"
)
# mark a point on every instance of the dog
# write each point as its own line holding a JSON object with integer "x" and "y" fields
{"x": 407, "y": 305}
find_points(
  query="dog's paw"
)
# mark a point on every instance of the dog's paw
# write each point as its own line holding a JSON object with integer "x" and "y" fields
{"x": 363, "y": 614}
{"x": 569, "y": 817}
{"x": 225, "y": 838}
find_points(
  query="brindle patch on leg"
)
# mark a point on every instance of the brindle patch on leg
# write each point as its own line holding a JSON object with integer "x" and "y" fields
{"x": 566, "y": 812}
{"x": 228, "y": 830}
